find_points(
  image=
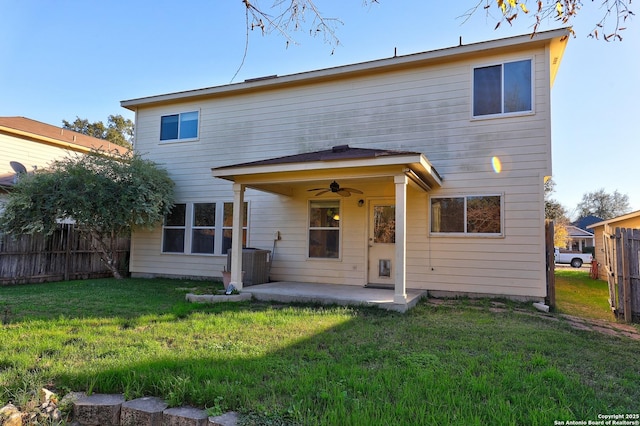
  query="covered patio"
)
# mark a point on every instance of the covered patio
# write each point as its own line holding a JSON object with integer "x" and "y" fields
{"x": 295, "y": 174}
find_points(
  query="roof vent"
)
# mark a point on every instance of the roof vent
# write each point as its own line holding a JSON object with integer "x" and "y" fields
{"x": 340, "y": 148}
{"x": 266, "y": 77}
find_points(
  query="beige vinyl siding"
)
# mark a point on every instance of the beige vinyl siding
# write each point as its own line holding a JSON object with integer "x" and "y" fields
{"x": 426, "y": 110}
{"x": 27, "y": 152}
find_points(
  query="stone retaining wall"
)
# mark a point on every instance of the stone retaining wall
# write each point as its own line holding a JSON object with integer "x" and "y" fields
{"x": 113, "y": 410}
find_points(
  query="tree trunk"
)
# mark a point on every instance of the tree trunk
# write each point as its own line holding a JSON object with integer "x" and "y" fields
{"x": 107, "y": 253}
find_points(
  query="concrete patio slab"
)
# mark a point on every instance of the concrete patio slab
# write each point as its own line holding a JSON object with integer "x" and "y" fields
{"x": 329, "y": 294}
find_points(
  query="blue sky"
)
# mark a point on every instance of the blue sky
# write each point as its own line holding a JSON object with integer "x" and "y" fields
{"x": 66, "y": 58}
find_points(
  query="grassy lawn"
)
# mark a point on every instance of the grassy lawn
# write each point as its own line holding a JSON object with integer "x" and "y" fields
{"x": 459, "y": 363}
{"x": 577, "y": 294}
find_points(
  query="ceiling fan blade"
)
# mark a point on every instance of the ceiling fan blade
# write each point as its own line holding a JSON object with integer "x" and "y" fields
{"x": 357, "y": 191}
{"x": 317, "y": 189}
{"x": 343, "y": 192}
{"x": 324, "y": 191}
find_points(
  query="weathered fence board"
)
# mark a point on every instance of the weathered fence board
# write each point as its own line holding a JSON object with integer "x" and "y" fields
{"x": 551, "y": 265}
{"x": 64, "y": 255}
{"x": 622, "y": 263}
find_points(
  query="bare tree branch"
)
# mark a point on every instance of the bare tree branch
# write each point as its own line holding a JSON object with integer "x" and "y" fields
{"x": 562, "y": 11}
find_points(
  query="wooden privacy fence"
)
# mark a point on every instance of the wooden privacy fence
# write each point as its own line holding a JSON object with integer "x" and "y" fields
{"x": 622, "y": 263}
{"x": 64, "y": 255}
{"x": 551, "y": 264}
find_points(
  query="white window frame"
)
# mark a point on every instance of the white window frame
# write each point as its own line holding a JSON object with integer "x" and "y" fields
{"x": 465, "y": 232}
{"x": 316, "y": 228}
{"x": 195, "y": 227}
{"x": 189, "y": 227}
{"x": 183, "y": 227}
{"x": 503, "y": 114}
{"x": 179, "y": 139}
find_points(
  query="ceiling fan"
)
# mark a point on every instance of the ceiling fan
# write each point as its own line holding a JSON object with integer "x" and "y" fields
{"x": 335, "y": 187}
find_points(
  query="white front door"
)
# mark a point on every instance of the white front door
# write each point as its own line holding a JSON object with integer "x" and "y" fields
{"x": 382, "y": 239}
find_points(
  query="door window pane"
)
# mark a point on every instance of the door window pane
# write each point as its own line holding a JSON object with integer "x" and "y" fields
{"x": 384, "y": 224}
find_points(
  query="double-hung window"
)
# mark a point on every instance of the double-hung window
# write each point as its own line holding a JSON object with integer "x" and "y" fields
{"x": 201, "y": 228}
{"x": 324, "y": 229}
{"x": 503, "y": 89}
{"x": 467, "y": 215}
{"x": 174, "y": 230}
{"x": 179, "y": 126}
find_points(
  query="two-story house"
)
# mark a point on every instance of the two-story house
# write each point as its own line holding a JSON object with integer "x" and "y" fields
{"x": 420, "y": 171}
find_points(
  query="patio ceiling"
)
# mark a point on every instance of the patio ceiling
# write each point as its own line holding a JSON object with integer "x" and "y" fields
{"x": 281, "y": 175}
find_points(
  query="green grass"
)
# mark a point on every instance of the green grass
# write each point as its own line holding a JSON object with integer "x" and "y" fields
{"x": 577, "y": 294}
{"x": 303, "y": 364}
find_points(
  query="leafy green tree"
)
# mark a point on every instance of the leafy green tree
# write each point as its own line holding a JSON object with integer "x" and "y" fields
{"x": 553, "y": 210}
{"x": 604, "y": 205}
{"x": 106, "y": 194}
{"x": 119, "y": 130}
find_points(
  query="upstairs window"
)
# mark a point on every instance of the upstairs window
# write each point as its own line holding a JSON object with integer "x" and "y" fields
{"x": 179, "y": 126}
{"x": 503, "y": 89}
{"x": 467, "y": 215}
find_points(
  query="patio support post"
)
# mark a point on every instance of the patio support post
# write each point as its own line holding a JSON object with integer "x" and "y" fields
{"x": 400, "y": 291}
{"x": 236, "y": 237}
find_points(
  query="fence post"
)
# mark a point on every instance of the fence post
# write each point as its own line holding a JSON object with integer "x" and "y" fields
{"x": 626, "y": 273}
{"x": 67, "y": 252}
{"x": 551, "y": 265}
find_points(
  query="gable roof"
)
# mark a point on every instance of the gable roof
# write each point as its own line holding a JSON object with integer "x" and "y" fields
{"x": 576, "y": 232}
{"x": 52, "y": 135}
{"x": 555, "y": 39}
{"x": 615, "y": 219}
{"x": 337, "y": 153}
{"x": 585, "y": 221}
{"x": 270, "y": 174}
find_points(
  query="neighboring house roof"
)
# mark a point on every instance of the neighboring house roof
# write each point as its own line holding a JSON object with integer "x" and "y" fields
{"x": 575, "y": 232}
{"x": 616, "y": 219}
{"x": 46, "y": 133}
{"x": 555, "y": 38}
{"x": 585, "y": 221}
